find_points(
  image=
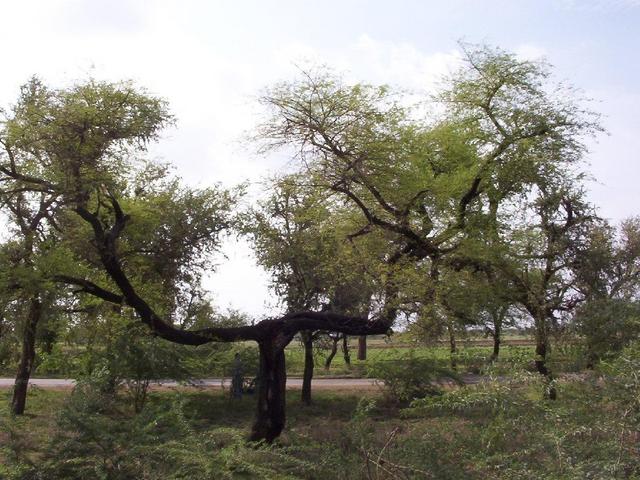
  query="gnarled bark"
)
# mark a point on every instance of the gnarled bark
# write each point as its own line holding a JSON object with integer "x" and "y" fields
{"x": 272, "y": 335}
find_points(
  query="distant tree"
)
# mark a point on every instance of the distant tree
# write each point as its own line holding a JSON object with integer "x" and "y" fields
{"x": 608, "y": 278}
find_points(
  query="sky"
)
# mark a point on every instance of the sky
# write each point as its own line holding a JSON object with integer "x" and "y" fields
{"x": 211, "y": 59}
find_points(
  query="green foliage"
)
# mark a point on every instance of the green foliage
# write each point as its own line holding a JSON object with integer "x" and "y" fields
{"x": 96, "y": 438}
{"x": 299, "y": 236}
{"x": 492, "y": 430}
{"x": 490, "y": 395}
{"x": 623, "y": 378}
{"x": 91, "y": 126}
{"x": 409, "y": 377}
{"x": 607, "y": 326}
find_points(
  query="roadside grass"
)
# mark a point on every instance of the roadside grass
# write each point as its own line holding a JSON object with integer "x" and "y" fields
{"x": 217, "y": 360}
{"x": 468, "y": 359}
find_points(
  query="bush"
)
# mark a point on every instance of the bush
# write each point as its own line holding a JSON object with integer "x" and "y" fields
{"x": 410, "y": 377}
{"x": 607, "y": 326}
{"x": 493, "y": 396}
{"x": 130, "y": 356}
{"x": 97, "y": 438}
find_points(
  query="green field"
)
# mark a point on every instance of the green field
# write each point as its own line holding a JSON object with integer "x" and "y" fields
{"x": 473, "y": 356}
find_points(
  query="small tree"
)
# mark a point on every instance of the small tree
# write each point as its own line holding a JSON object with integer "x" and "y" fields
{"x": 300, "y": 238}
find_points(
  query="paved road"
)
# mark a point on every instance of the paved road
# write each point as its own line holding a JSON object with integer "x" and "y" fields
{"x": 292, "y": 382}
{"x": 338, "y": 383}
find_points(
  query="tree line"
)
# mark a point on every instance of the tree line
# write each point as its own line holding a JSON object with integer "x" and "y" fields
{"x": 464, "y": 208}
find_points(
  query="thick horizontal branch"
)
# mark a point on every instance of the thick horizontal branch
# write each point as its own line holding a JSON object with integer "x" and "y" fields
{"x": 284, "y": 327}
{"x": 89, "y": 287}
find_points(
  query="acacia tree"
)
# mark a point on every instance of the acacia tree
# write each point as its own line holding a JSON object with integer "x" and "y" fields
{"x": 29, "y": 212}
{"x": 289, "y": 243}
{"x": 430, "y": 182}
{"x": 83, "y": 140}
{"x": 476, "y": 298}
{"x": 539, "y": 257}
{"x": 24, "y": 276}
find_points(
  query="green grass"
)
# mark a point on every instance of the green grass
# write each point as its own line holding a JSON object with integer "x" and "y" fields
{"x": 469, "y": 359}
{"x": 488, "y": 431}
{"x": 218, "y": 362}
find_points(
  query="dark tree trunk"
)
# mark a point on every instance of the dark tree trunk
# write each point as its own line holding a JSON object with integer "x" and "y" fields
{"x": 496, "y": 344}
{"x": 307, "y": 340}
{"x": 541, "y": 356}
{"x": 362, "y": 347}
{"x": 345, "y": 350}
{"x": 272, "y": 380}
{"x": 453, "y": 347}
{"x": 27, "y": 357}
{"x": 498, "y": 315}
{"x": 332, "y": 353}
{"x": 47, "y": 339}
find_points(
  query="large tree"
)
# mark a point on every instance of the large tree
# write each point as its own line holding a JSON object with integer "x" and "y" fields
{"x": 434, "y": 181}
{"x": 80, "y": 143}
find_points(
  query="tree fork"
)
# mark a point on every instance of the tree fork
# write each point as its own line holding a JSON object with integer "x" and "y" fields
{"x": 272, "y": 335}
{"x": 332, "y": 353}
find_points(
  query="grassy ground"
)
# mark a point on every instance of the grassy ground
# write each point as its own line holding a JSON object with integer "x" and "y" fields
{"x": 472, "y": 359}
{"x": 488, "y": 431}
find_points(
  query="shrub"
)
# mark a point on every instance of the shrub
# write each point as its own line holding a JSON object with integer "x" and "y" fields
{"x": 607, "y": 326}
{"x": 493, "y": 396}
{"x": 160, "y": 442}
{"x": 410, "y": 377}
